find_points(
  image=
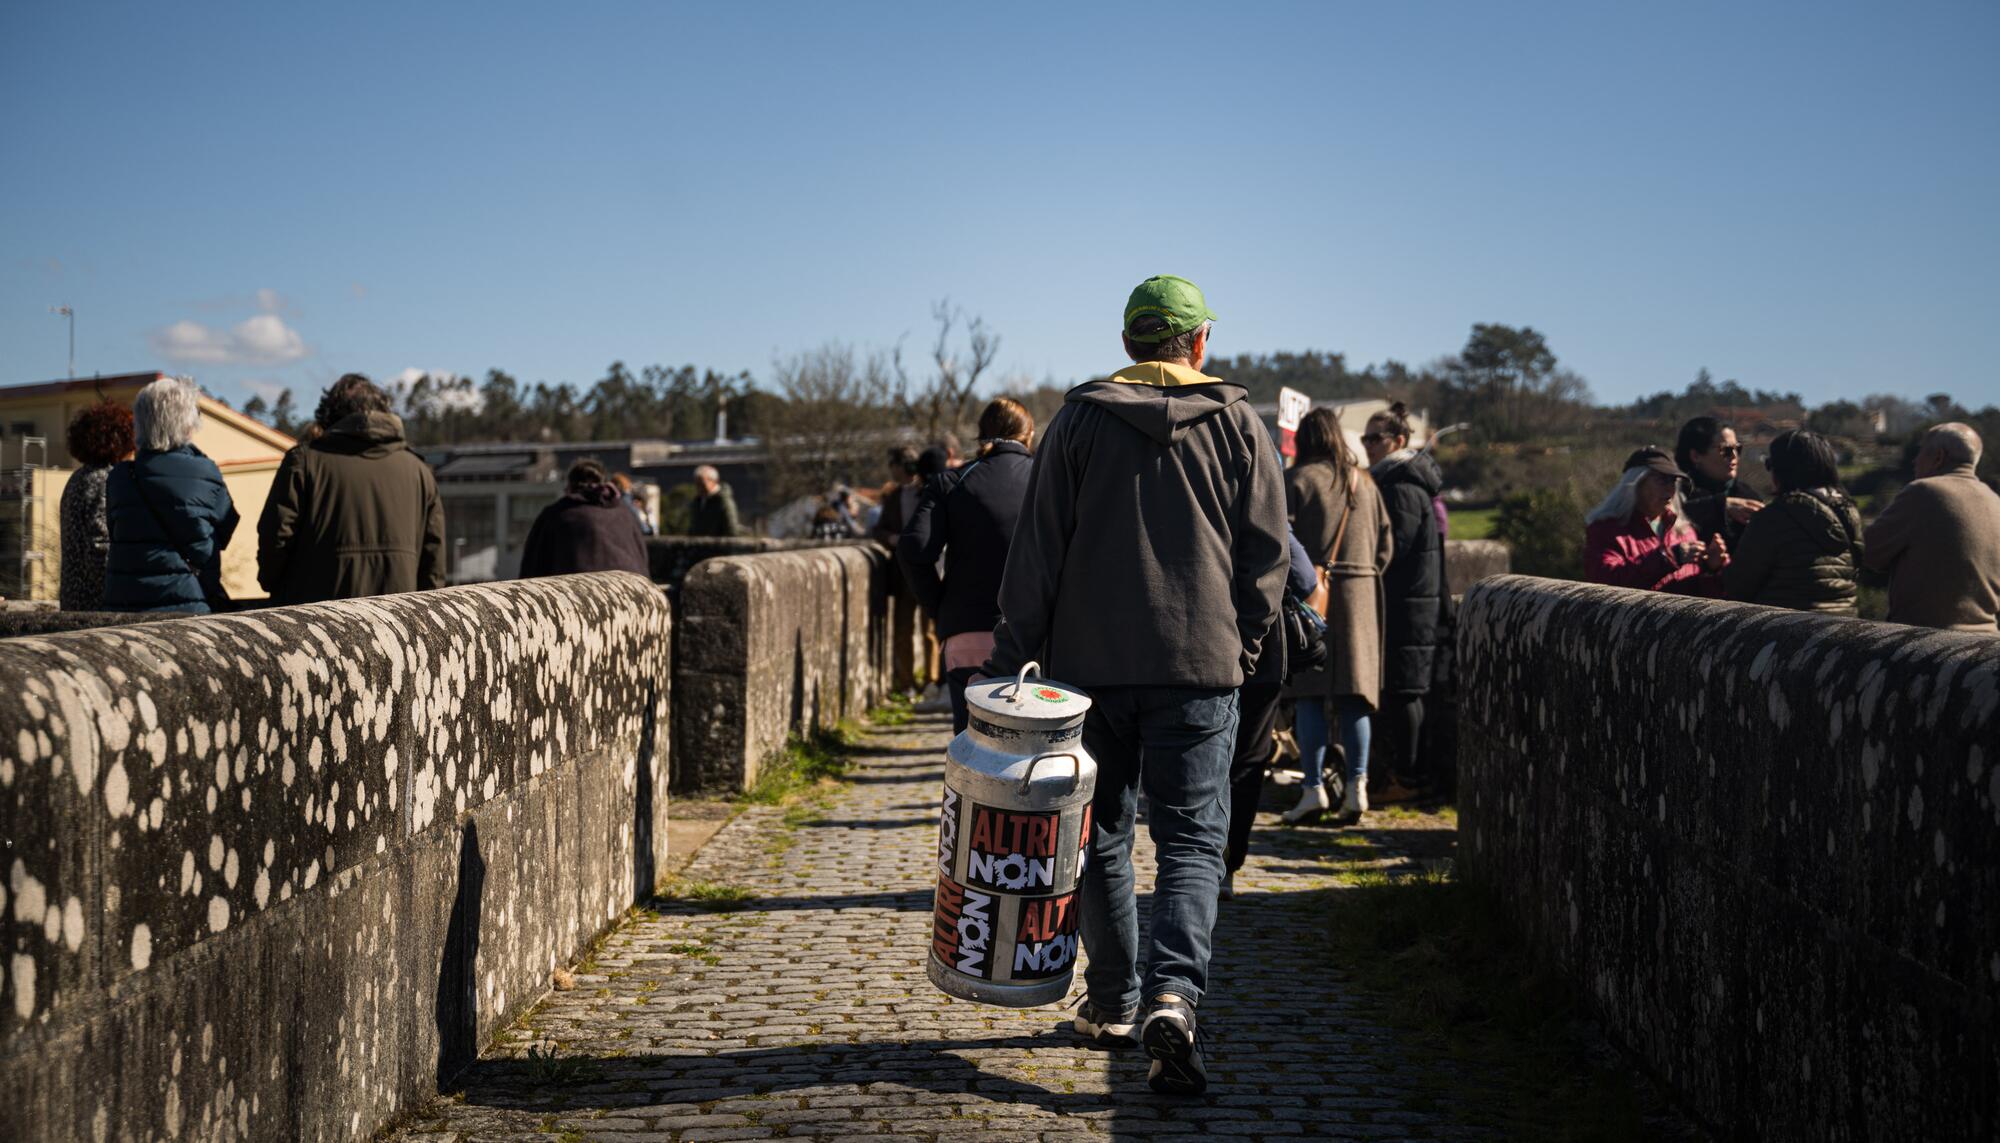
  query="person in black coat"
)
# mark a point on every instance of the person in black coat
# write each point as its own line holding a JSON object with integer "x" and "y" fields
{"x": 169, "y": 512}
{"x": 1413, "y": 590}
{"x": 967, "y": 515}
{"x": 589, "y": 529}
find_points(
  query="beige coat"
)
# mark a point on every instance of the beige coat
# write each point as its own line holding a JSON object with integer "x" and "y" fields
{"x": 1354, "y": 612}
{"x": 1939, "y": 542}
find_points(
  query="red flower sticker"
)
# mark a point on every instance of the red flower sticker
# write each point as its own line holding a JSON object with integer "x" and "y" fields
{"x": 1050, "y": 694}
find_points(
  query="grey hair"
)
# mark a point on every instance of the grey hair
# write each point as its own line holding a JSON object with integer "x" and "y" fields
{"x": 1624, "y": 498}
{"x": 165, "y": 414}
{"x": 1959, "y": 442}
{"x": 707, "y": 472}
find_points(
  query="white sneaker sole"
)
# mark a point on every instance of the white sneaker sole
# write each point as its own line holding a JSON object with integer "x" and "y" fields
{"x": 1112, "y": 1035}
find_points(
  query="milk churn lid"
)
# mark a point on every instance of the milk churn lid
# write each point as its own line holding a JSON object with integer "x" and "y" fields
{"x": 1028, "y": 702}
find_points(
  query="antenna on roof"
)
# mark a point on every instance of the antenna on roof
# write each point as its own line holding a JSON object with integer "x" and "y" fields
{"x": 70, "y": 313}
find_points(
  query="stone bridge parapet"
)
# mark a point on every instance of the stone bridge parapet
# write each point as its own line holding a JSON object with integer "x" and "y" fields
{"x": 271, "y": 875}
{"x": 1767, "y": 843}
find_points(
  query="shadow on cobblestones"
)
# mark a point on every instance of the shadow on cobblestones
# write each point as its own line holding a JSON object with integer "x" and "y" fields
{"x": 806, "y": 1013}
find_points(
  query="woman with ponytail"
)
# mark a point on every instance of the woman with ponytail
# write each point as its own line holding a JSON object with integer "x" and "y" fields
{"x": 1413, "y": 591}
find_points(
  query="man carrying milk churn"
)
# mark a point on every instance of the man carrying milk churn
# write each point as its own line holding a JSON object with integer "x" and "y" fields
{"x": 1146, "y": 569}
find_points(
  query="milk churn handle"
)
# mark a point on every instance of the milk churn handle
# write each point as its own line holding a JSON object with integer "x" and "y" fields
{"x": 1075, "y": 778}
{"x": 1021, "y": 680}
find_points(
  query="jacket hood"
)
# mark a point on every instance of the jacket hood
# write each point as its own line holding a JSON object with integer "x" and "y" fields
{"x": 1409, "y": 467}
{"x": 1830, "y": 523}
{"x": 364, "y": 434}
{"x": 1160, "y": 399}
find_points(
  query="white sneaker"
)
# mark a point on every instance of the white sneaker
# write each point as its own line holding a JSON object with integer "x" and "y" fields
{"x": 1354, "y": 804}
{"x": 1312, "y": 800}
{"x": 1282, "y": 777}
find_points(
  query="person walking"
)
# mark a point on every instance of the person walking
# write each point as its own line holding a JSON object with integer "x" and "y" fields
{"x": 966, "y": 515}
{"x": 353, "y": 512}
{"x": 169, "y": 512}
{"x": 1412, "y": 592}
{"x": 1638, "y": 536}
{"x": 1717, "y": 502}
{"x": 898, "y": 496}
{"x": 1338, "y": 514}
{"x": 1938, "y": 542}
{"x": 713, "y": 512}
{"x": 1146, "y": 568}
{"x": 99, "y": 437}
{"x": 588, "y": 529}
{"x": 627, "y": 496}
{"x": 1803, "y": 549}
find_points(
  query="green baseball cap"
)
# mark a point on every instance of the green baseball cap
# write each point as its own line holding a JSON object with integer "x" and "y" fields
{"x": 1177, "y": 300}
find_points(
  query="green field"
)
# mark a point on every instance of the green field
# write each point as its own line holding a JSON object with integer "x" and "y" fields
{"x": 1472, "y": 523}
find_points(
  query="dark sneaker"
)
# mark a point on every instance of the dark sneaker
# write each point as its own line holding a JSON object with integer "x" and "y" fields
{"x": 1173, "y": 1040}
{"x": 1105, "y": 1028}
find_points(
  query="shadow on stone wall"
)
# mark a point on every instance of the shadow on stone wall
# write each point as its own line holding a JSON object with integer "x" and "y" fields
{"x": 457, "y": 1007}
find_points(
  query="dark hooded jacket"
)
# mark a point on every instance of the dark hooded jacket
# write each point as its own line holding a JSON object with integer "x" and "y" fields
{"x": 1151, "y": 550}
{"x": 352, "y": 513}
{"x": 967, "y": 515}
{"x": 587, "y": 529}
{"x": 170, "y": 516}
{"x": 1413, "y": 583}
{"x": 1802, "y": 551}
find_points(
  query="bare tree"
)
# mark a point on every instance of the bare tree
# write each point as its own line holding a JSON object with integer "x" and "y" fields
{"x": 944, "y": 402}
{"x": 835, "y": 418}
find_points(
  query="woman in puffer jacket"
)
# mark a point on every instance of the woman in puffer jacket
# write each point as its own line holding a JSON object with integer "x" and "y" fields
{"x": 170, "y": 513}
{"x": 1803, "y": 551}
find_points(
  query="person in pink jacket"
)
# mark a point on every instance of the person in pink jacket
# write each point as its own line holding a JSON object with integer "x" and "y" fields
{"x": 1638, "y": 538}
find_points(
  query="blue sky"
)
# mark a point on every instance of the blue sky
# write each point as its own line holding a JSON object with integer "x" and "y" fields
{"x": 1801, "y": 196}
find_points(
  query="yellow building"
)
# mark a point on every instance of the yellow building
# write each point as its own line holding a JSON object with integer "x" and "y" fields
{"x": 35, "y": 465}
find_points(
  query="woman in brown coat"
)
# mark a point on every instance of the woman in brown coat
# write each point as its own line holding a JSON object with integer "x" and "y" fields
{"x": 1337, "y": 514}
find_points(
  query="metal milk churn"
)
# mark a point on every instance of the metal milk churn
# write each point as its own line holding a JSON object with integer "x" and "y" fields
{"x": 1012, "y": 837}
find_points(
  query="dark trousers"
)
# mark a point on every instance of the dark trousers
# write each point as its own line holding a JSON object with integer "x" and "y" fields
{"x": 1257, "y": 718}
{"x": 1401, "y": 722}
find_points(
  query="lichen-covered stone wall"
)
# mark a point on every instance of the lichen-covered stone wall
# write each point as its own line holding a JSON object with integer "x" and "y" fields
{"x": 773, "y": 645}
{"x": 272, "y": 875}
{"x": 1767, "y": 843}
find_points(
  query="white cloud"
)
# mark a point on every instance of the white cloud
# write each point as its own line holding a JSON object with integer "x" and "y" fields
{"x": 441, "y": 400}
{"x": 261, "y": 340}
{"x": 271, "y": 301}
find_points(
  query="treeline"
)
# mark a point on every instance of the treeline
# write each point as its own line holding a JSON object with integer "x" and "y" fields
{"x": 659, "y": 401}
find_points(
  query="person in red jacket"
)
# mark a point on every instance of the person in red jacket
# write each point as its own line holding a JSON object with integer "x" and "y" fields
{"x": 1638, "y": 538}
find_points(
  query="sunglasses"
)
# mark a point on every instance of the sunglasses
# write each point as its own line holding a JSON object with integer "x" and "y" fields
{"x": 1374, "y": 438}
{"x": 1730, "y": 450}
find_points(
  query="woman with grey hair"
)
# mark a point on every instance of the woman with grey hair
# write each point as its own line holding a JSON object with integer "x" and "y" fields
{"x": 1638, "y": 536}
{"x": 170, "y": 513}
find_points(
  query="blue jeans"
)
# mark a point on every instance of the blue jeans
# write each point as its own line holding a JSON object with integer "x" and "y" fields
{"x": 1310, "y": 727}
{"x": 1178, "y": 741}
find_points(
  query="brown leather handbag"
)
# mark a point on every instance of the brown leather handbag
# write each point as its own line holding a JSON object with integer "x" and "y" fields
{"x": 1322, "y": 593}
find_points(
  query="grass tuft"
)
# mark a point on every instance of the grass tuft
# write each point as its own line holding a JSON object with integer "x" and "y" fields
{"x": 712, "y": 896}
{"x": 803, "y": 764}
{"x": 896, "y": 710}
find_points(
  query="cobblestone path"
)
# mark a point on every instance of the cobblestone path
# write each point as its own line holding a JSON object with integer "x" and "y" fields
{"x": 806, "y": 1013}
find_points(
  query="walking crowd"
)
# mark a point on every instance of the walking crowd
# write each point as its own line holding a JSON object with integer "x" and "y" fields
{"x": 1152, "y": 548}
